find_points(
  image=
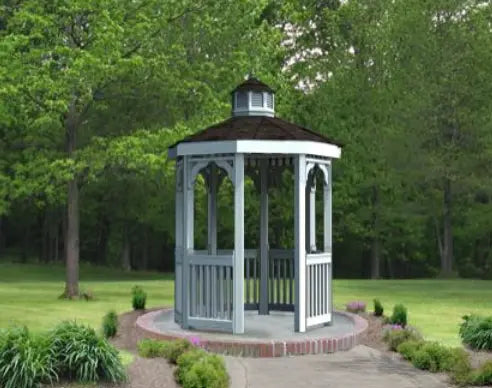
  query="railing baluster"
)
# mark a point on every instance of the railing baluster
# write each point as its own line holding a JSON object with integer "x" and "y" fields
{"x": 193, "y": 290}
{"x": 247, "y": 280}
{"x": 200, "y": 292}
{"x": 255, "y": 281}
{"x": 278, "y": 281}
{"x": 207, "y": 292}
{"x": 221, "y": 291}
{"x": 284, "y": 282}
{"x": 291, "y": 281}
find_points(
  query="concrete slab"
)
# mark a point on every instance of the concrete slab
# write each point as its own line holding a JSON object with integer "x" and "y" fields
{"x": 359, "y": 367}
{"x": 277, "y": 325}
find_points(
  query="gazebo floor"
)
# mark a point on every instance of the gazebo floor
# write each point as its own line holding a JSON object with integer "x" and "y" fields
{"x": 265, "y": 335}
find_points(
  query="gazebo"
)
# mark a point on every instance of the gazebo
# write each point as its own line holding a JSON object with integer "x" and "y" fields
{"x": 214, "y": 287}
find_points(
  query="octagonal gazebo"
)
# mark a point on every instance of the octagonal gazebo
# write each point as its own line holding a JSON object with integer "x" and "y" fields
{"x": 214, "y": 287}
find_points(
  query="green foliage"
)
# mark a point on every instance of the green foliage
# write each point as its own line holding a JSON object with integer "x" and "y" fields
{"x": 82, "y": 355}
{"x": 482, "y": 375}
{"x": 435, "y": 357}
{"x": 408, "y": 348}
{"x": 150, "y": 348}
{"x": 395, "y": 337}
{"x": 139, "y": 298}
{"x": 378, "y": 308}
{"x": 476, "y": 332}
{"x": 399, "y": 316}
{"x": 26, "y": 361}
{"x": 110, "y": 324}
{"x": 171, "y": 350}
{"x": 176, "y": 348}
{"x": 197, "y": 369}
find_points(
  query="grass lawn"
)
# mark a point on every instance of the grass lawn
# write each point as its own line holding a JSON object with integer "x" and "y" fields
{"x": 29, "y": 296}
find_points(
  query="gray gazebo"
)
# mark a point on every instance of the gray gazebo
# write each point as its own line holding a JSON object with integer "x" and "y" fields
{"x": 214, "y": 287}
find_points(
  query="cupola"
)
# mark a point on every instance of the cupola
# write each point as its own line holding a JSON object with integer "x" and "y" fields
{"x": 253, "y": 98}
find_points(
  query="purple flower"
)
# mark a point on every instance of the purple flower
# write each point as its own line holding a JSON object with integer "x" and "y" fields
{"x": 195, "y": 341}
{"x": 356, "y": 306}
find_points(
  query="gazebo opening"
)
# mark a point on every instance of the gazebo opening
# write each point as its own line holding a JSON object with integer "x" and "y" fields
{"x": 215, "y": 285}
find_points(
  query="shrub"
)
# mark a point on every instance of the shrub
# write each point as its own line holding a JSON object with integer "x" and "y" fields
{"x": 483, "y": 374}
{"x": 26, "y": 361}
{"x": 139, "y": 298}
{"x": 177, "y": 348}
{"x": 476, "y": 332}
{"x": 408, "y": 348}
{"x": 399, "y": 316}
{"x": 433, "y": 357}
{"x": 151, "y": 348}
{"x": 356, "y": 307}
{"x": 197, "y": 369}
{"x": 81, "y": 354}
{"x": 110, "y": 324}
{"x": 378, "y": 308}
{"x": 395, "y": 335}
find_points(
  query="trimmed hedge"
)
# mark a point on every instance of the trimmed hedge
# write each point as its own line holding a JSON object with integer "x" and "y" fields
{"x": 195, "y": 367}
{"x": 198, "y": 369}
{"x": 378, "y": 308}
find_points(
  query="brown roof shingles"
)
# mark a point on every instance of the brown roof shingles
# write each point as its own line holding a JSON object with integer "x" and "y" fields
{"x": 256, "y": 128}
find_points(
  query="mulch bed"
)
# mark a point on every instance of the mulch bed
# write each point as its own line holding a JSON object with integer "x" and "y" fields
{"x": 157, "y": 373}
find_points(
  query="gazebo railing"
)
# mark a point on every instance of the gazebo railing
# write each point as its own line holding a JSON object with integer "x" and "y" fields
{"x": 281, "y": 280}
{"x": 318, "y": 298}
{"x": 211, "y": 283}
{"x": 251, "y": 279}
{"x": 211, "y": 291}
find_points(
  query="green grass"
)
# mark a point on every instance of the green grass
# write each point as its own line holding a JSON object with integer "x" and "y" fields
{"x": 435, "y": 306}
{"x": 29, "y": 296}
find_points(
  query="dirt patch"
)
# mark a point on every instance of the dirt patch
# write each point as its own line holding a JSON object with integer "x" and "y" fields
{"x": 373, "y": 336}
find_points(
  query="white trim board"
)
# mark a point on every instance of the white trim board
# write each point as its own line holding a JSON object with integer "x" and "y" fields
{"x": 290, "y": 147}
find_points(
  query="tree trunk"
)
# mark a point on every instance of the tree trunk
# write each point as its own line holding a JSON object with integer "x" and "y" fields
{"x": 2, "y": 239}
{"x": 72, "y": 241}
{"x": 145, "y": 249}
{"x": 447, "y": 252}
{"x": 125, "y": 255}
{"x": 376, "y": 244}
{"x": 72, "y": 225}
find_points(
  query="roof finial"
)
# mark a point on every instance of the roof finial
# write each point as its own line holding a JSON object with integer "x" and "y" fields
{"x": 251, "y": 74}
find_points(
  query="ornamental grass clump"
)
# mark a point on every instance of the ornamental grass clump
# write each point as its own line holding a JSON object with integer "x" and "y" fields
{"x": 356, "y": 306}
{"x": 26, "y": 360}
{"x": 82, "y": 355}
{"x": 476, "y": 332}
{"x": 110, "y": 324}
{"x": 482, "y": 375}
{"x": 139, "y": 298}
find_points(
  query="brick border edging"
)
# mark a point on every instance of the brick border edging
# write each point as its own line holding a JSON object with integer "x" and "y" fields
{"x": 268, "y": 348}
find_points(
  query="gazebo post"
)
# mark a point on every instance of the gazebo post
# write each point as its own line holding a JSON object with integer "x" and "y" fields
{"x": 300, "y": 243}
{"x": 263, "y": 308}
{"x": 212, "y": 210}
{"x": 178, "y": 252}
{"x": 238, "y": 268}
{"x": 188, "y": 235}
{"x": 312, "y": 215}
{"x": 327, "y": 235}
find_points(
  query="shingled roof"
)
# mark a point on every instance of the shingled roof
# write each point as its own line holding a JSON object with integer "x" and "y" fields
{"x": 256, "y": 128}
{"x": 253, "y": 84}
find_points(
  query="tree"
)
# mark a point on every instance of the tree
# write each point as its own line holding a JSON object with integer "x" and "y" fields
{"x": 73, "y": 65}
